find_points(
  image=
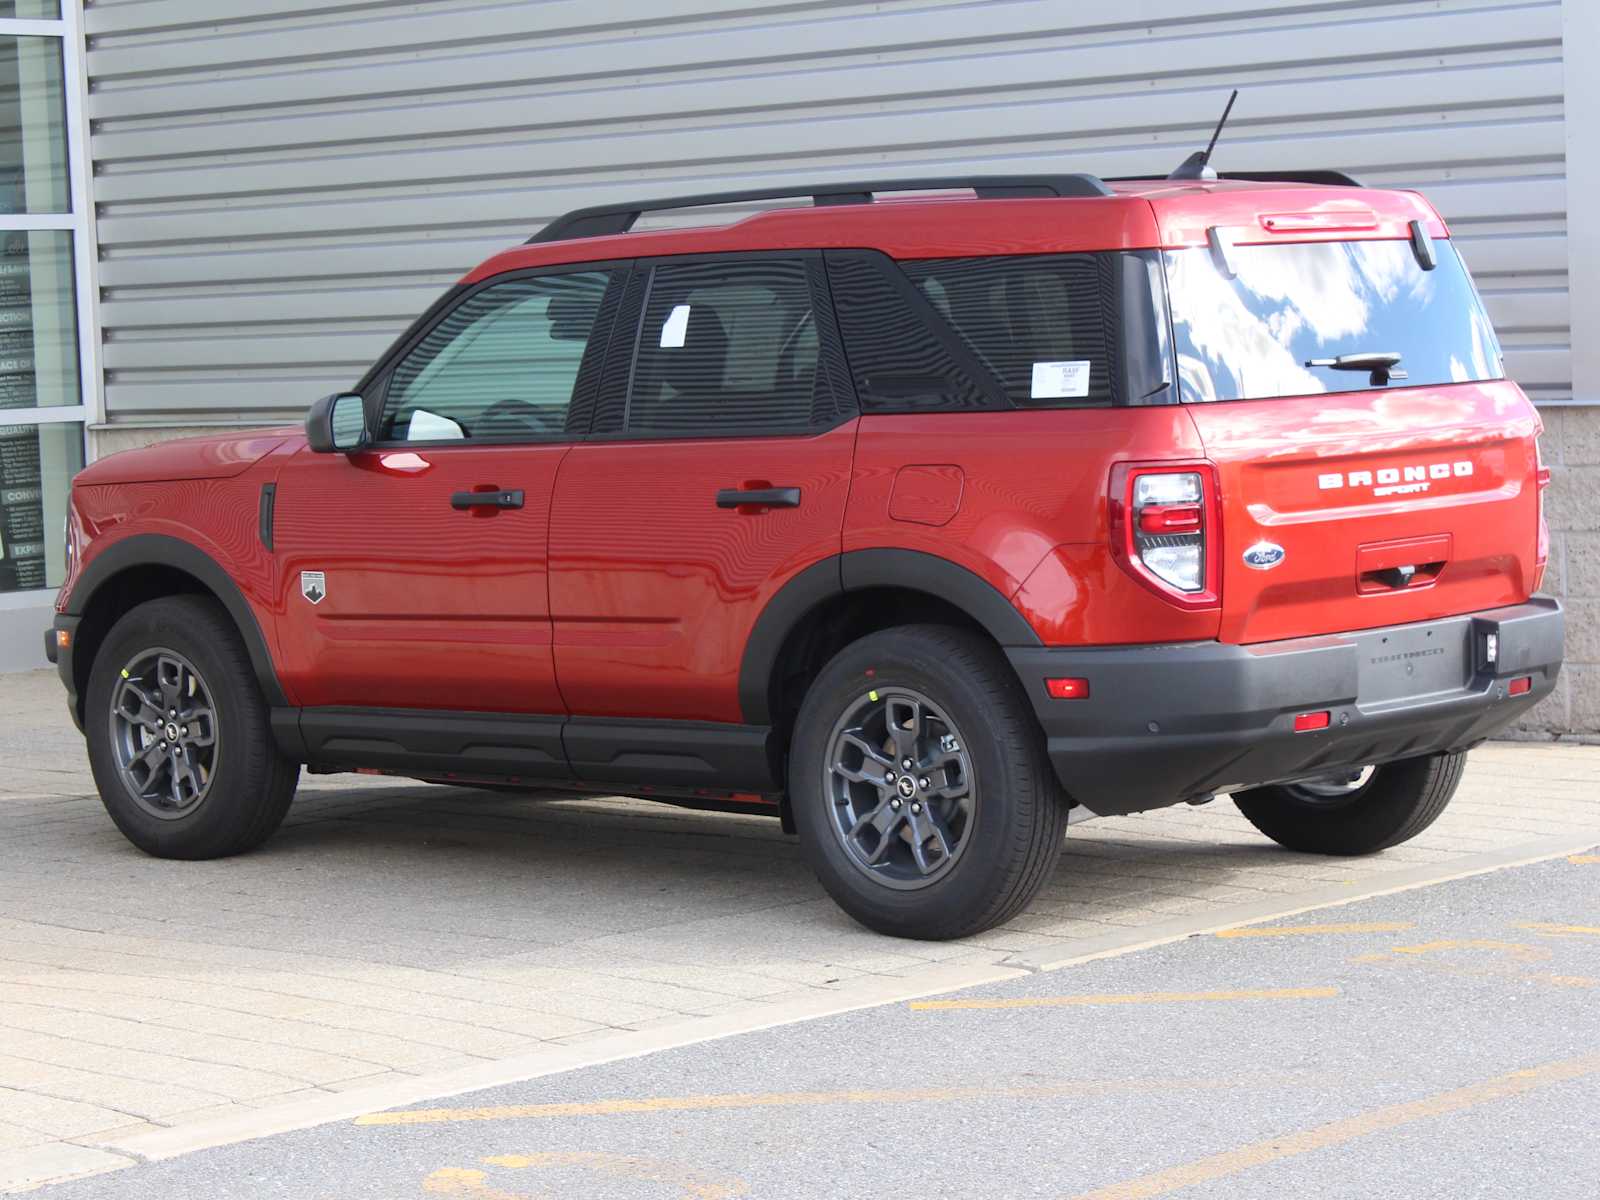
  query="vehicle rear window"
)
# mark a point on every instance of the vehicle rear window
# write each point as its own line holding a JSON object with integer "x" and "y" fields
{"x": 1254, "y": 336}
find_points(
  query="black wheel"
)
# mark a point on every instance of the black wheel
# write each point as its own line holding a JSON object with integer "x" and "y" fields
{"x": 920, "y": 785}
{"x": 179, "y": 737}
{"x": 1355, "y": 812}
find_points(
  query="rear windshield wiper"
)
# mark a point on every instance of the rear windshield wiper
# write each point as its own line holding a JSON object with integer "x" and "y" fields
{"x": 1382, "y": 364}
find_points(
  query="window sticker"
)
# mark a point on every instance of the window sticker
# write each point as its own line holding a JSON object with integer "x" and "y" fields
{"x": 1060, "y": 380}
{"x": 675, "y": 328}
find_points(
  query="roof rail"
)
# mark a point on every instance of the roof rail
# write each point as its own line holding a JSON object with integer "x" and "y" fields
{"x": 604, "y": 219}
{"x": 1315, "y": 175}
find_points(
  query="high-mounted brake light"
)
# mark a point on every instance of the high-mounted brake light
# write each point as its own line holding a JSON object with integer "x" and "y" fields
{"x": 1166, "y": 529}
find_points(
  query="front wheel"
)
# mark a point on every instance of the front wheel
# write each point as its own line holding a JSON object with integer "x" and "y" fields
{"x": 920, "y": 785}
{"x": 1360, "y": 812}
{"x": 180, "y": 737}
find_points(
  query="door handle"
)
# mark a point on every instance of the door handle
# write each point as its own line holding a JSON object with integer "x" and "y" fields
{"x": 495, "y": 499}
{"x": 769, "y": 497}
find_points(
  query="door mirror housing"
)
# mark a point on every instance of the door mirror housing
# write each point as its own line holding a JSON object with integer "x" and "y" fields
{"x": 337, "y": 424}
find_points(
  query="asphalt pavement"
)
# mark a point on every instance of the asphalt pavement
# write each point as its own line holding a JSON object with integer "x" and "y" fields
{"x": 1441, "y": 1042}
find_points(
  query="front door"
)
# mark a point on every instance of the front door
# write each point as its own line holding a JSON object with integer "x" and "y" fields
{"x": 414, "y": 572}
{"x": 718, "y": 469}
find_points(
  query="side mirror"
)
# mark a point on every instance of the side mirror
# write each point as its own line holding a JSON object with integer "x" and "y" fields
{"x": 337, "y": 424}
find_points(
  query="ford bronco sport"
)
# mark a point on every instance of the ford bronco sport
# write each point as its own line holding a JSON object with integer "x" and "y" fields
{"x": 920, "y": 521}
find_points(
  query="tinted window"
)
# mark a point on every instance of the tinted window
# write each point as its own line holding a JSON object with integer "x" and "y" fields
{"x": 1043, "y": 326}
{"x": 501, "y": 365}
{"x": 726, "y": 348}
{"x": 1254, "y": 336}
{"x": 899, "y": 362}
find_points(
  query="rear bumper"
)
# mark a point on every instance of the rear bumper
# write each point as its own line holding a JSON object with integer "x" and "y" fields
{"x": 1168, "y": 723}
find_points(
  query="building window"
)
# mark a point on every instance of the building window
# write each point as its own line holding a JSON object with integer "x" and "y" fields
{"x": 44, "y": 251}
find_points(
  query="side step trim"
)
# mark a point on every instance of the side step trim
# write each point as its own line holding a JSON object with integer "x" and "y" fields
{"x": 651, "y": 756}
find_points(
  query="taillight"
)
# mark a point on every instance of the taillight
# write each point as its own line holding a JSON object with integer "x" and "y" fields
{"x": 1541, "y": 555}
{"x": 1166, "y": 529}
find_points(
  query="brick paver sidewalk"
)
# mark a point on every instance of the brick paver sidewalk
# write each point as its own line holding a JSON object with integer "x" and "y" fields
{"x": 394, "y": 929}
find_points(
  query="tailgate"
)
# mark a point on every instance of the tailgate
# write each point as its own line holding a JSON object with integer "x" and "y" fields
{"x": 1388, "y": 506}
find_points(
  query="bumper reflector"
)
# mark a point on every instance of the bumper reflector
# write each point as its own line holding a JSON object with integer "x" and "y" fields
{"x": 1067, "y": 689}
{"x": 1520, "y": 686}
{"x": 63, "y": 639}
{"x": 1306, "y": 722}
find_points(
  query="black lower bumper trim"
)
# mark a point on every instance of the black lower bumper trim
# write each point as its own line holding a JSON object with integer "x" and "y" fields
{"x": 61, "y": 656}
{"x": 1168, "y": 723}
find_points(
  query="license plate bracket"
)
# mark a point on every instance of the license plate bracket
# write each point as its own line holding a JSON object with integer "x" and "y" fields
{"x": 1415, "y": 661}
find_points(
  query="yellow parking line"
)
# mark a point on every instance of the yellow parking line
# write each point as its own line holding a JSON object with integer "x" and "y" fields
{"x": 1313, "y": 993}
{"x": 1336, "y": 1133}
{"x": 749, "y": 1100}
{"x": 1546, "y": 927}
{"x": 690, "y": 1183}
{"x": 1584, "y": 860}
{"x": 1254, "y": 931}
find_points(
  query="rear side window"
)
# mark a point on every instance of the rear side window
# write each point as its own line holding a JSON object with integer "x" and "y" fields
{"x": 1269, "y": 331}
{"x": 902, "y": 356}
{"x": 1019, "y": 331}
{"x": 727, "y": 348}
{"x": 1043, "y": 326}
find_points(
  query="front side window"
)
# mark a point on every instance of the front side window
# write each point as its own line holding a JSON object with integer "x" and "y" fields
{"x": 502, "y": 364}
{"x": 1276, "y": 328}
{"x": 726, "y": 348}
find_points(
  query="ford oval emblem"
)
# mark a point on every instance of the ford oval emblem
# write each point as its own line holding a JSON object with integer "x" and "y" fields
{"x": 1263, "y": 556}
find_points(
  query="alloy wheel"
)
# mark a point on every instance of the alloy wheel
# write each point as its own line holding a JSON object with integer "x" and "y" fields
{"x": 164, "y": 733}
{"x": 1332, "y": 791}
{"x": 900, "y": 787}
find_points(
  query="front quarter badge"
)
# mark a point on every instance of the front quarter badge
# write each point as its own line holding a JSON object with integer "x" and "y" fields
{"x": 1263, "y": 556}
{"x": 313, "y": 586}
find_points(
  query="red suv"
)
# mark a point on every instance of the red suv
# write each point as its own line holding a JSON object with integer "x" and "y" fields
{"x": 919, "y": 522}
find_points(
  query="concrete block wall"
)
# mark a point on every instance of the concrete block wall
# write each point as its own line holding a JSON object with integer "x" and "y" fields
{"x": 1571, "y": 447}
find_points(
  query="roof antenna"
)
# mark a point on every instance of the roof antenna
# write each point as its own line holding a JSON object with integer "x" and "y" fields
{"x": 1198, "y": 164}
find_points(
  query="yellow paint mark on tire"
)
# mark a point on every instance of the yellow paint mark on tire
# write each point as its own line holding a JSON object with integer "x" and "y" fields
{"x": 1266, "y": 931}
{"x": 1312, "y": 993}
{"x": 1337, "y": 1133}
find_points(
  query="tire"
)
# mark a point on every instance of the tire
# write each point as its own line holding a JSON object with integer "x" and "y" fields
{"x": 1396, "y": 803}
{"x": 232, "y": 794}
{"x": 1004, "y": 840}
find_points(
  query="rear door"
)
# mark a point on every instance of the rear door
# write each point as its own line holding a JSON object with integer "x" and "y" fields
{"x": 1355, "y": 495}
{"x": 718, "y": 469}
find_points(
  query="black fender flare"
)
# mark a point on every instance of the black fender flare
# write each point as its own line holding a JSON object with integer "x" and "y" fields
{"x": 858, "y": 570}
{"x": 159, "y": 549}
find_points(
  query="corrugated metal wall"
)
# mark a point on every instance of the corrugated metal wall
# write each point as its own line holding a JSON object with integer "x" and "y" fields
{"x": 282, "y": 184}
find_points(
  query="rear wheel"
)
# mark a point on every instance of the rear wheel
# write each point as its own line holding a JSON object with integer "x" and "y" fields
{"x": 1357, "y": 812}
{"x": 179, "y": 735}
{"x": 920, "y": 786}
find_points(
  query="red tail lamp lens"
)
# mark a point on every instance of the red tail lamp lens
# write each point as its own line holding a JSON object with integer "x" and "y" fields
{"x": 1306, "y": 722}
{"x": 1067, "y": 689}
